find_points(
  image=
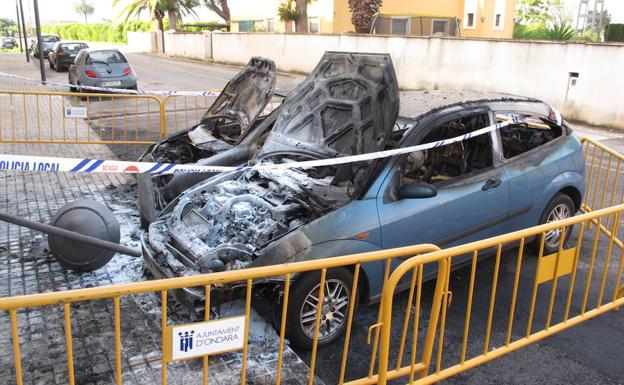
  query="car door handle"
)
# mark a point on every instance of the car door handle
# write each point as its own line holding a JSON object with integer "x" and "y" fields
{"x": 491, "y": 184}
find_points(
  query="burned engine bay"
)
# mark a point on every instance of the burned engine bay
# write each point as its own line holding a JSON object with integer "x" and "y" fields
{"x": 221, "y": 226}
{"x": 347, "y": 105}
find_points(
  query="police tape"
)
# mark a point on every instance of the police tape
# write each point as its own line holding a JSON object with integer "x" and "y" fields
{"x": 77, "y": 165}
{"x": 117, "y": 90}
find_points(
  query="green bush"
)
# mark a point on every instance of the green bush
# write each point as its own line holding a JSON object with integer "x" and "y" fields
{"x": 614, "y": 32}
{"x": 535, "y": 31}
{"x": 105, "y": 32}
{"x": 199, "y": 26}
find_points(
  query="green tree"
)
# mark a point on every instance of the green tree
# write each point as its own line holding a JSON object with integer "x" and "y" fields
{"x": 220, "y": 7}
{"x": 6, "y": 23}
{"x": 362, "y": 13}
{"x": 541, "y": 11}
{"x": 157, "y": 9}
{"x": 84, "y": 7}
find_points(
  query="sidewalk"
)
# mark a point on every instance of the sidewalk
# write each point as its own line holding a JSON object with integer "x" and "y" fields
{"x": 27, "y": 267}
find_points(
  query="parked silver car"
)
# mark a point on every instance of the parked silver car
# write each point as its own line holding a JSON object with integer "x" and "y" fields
{"x": 47, "y": 42}
{"x": 102, "y": 68}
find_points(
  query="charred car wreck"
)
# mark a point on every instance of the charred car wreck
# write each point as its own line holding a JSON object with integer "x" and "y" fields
{"x": 349, "y": 105}
{"x": 229, "y": 133}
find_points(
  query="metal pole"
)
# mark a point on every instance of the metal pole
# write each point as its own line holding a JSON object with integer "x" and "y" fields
{"x": 39, "y": 42}
{"x": 19, "y": 27}
{"x": 21, "y": 6}
{"x": 53, "y": 230}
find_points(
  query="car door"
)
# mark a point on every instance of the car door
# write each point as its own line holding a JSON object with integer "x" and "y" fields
{"x": 529, "y": 158}
{"x": 467, "y": 207}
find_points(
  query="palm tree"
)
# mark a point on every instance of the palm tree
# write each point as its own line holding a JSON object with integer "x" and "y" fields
{"x": 362, "y": 12}
{"x": 175, "y": 9}
{"x": 296, "y": 11}
{"x": 85, "y": 8}
{"x": 220, "y": 7}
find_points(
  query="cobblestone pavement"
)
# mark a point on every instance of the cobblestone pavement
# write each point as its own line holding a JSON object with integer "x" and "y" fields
{"x": 26, "y": 267}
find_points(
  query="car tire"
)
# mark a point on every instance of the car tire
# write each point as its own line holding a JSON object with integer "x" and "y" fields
{"x": 339, "y": 281}
{"x": 560, "y": 207}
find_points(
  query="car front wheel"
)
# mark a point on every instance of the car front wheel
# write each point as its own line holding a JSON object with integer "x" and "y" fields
{"x": 304, "y": 304}
{"x": 559, "y": 208}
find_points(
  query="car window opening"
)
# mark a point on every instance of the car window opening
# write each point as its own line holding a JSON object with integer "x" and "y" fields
{"x": 530, "y": 133}
{"x": 108, "y": 57}
{"x": 451, "y": 161}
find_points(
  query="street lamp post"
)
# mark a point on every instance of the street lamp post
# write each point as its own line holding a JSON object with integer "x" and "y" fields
{"x": 39, "y": 42}
{"x": 21, "y": 6}
{"x": 19, "y": 28}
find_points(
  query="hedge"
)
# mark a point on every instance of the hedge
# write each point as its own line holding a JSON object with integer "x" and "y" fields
{"x": 199, "y": 26}
{"x": 106, "y": 32}
{"x": 614, "y": 32}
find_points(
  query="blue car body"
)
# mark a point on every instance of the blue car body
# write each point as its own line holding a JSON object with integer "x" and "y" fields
{"x": 461, "y": 211}
{"x": 501, "y": 181}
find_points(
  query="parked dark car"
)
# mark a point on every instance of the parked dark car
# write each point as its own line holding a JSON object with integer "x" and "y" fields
{"x": 102, "y": 68}
{"x": 47, "y": 42}
{"x": 63, "y": 54}
{"x": 523, "y": 174}
{"x": 8, "y": 42}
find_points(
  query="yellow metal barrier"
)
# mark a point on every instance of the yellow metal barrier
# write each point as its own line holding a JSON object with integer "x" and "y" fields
{"x": 604, "y": 187}
{"x": 181, "y": 111}
{"x": 566, "y": 288}
{"x": 78, "y": 118}
{"x": 246, "y": 277}
{"x": 67, "y": 117}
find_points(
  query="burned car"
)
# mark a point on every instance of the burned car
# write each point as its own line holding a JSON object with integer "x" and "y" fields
{"x": 229, "y": 133}
{"x": 528, "y": 172}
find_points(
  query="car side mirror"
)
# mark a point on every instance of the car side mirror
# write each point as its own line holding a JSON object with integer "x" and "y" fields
{"x": 417, "y": 190}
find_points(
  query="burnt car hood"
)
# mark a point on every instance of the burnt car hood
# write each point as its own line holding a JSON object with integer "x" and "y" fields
{"x": 347, "y": 105}
{"x": 246, "y": 95}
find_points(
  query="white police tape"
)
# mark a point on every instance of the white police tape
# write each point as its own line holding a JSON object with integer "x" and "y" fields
{"x": 117, "y": 90}
{"x": 76, "y": 165}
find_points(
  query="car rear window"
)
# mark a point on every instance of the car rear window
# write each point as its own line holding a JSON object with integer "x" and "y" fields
{"x": 50, "y": 39}
{"x": 109, "y": 57}
{"x": 73, "y": 47}
{"x": 530, "y": 132}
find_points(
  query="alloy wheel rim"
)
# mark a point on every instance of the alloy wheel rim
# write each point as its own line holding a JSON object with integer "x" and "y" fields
{"x": 333, "y": 312}
{"x": 559, "y": 212}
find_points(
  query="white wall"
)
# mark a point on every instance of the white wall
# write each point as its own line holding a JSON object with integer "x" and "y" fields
{"x": 141, "y": 42}
{"x": 535, "y": 69}
{"x": 190, "y": 45}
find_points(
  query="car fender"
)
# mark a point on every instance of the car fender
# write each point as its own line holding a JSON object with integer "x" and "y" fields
{"x": 564, "y": 180}
{"x": 371, "y": 273}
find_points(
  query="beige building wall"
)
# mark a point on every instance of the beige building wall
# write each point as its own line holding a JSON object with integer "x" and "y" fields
{"x": 484, "y": 14}
{"x": 262, "y": 12}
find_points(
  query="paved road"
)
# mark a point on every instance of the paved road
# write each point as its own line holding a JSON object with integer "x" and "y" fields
{"x": 590, "y": 353}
